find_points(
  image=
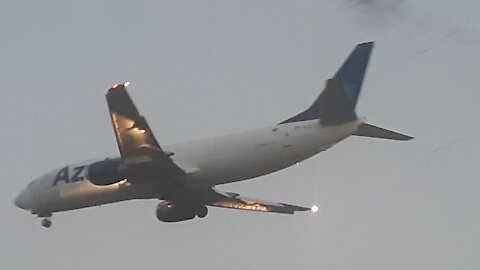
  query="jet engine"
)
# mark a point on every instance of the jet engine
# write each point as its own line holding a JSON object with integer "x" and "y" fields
{"x": 171, "y": 212}
{"x": 105, "y": 172}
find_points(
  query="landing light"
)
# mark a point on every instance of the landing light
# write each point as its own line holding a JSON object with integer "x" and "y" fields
{"x": 126, "y": 84}
{"x": 314, "y": 209}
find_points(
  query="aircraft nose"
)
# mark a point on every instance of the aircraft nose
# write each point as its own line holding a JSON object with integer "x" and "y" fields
{"x": 22, "y": 200}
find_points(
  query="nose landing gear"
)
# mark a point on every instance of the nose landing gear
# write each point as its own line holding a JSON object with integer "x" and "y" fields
{"x": 46, "y": 221}
{"x": 202, "y": 212}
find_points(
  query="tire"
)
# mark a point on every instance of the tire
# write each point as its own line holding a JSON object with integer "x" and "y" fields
{"x": 46, "y": 223}
{"x": 202, "y": 212}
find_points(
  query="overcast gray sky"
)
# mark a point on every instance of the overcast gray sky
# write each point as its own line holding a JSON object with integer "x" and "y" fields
{"x": 204, "y": 68}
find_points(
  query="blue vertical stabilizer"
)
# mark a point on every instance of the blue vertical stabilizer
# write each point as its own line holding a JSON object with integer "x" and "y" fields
{"x": 352, "y": 72}
{"x": 336, "y": 104}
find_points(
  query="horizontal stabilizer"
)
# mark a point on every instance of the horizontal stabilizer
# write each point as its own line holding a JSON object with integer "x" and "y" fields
{"x": 367, "y": 130}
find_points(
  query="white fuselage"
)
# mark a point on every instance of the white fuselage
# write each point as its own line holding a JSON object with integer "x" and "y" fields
{"x": 207, "y": 162}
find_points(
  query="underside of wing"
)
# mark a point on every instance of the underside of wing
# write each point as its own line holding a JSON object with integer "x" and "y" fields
{"x": 235, "y": 201}
{"x": 135, "y": 139}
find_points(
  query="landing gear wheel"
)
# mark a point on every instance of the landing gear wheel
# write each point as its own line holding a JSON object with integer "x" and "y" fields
{"x": 202, "y": 212}
{"x": 46, "y": 223}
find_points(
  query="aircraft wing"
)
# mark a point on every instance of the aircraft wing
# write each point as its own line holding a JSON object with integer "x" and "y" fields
{"x": 235, "y": 201}
{"x": 135, "y": 139}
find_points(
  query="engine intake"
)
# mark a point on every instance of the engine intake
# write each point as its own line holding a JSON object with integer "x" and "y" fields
{"x": 105, "y": 172}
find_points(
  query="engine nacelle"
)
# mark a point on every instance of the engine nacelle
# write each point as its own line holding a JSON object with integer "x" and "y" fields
{"x": 105, "y": 172}
{"x": 170, "y": 212}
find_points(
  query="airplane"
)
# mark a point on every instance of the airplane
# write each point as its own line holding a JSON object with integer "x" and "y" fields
{"x": 184, "y": 176}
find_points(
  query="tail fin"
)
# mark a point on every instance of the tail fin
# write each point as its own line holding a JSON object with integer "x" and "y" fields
{"x": 352, "y": 72}
{"x": 367, "y": 130}
{"x": 336, "y": 104}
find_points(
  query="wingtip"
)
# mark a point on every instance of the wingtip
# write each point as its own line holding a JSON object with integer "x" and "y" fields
{"x": 403, "y": 137}
{"x": 118, "y": 86}
{"x": 313, "y": 209}
{"x": 367, "y": 44}
{"x": 365, "y": 48}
